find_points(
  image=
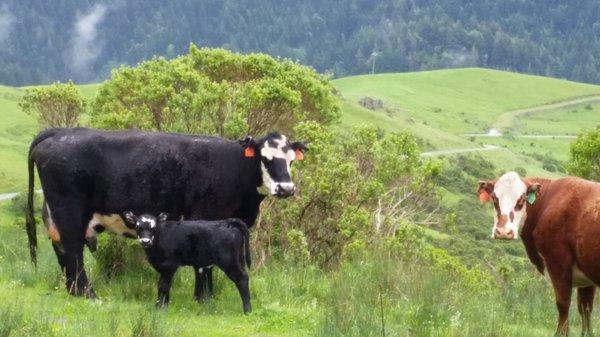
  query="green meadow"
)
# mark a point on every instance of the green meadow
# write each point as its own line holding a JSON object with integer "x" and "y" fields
{"x": 430, "y": 287}
{"x": 441, "y": 107}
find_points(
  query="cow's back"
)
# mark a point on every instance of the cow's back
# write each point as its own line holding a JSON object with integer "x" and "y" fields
{"x": 144, "y": 171}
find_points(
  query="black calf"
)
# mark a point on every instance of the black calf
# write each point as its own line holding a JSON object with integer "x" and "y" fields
{"x": 200, "y": 244}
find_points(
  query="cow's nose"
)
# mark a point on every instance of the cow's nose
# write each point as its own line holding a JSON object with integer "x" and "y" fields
{"x": 504, "y": 234}
{"x": 146, "y": 242}
{"x": 285, "y": 190}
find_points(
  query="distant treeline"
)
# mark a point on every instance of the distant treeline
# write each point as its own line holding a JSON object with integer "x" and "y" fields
{"x": 43, "y": 41}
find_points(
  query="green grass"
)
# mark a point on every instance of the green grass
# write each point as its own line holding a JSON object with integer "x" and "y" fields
{"x": 411, "y": 296}
{"x": 16, "y": 131}
{"x": 415, "y": 297}
{"x": 464, "y": 100}
{"x": 440, "y": 106}
{"x": 561, "y": 121}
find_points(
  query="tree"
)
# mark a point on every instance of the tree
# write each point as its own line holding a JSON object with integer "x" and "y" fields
{"x": 57, "y": 105}
{"x": 584, "y": 160}
{"x": 215, "y": 91}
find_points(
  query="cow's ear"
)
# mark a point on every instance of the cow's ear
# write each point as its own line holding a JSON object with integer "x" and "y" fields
{"x": 162, "y": 217}
{"x": 533, "y": 191}
{"x": 249, "y": 145}
{"x": 299, "y": 148}
{"x": 130, "y": 219}
{"x": 485, "y": 190}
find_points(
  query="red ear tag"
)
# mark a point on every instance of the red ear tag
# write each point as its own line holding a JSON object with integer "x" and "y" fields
{"x": 299, "y": 155}
{"x": 249, "y": 152}
{"x": 484, "y": 197}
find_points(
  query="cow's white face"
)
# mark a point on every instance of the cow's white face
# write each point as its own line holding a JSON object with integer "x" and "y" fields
{"x": 509, "y": 196}
{"x": 276, "y": 157}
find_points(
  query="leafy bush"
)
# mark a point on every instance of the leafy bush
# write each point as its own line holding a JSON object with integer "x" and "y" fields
{"x": 56, "y": 105}
{"x": 549, "y": 163}
{"x": 584, "y": 158}
{"x": 353, "y": 189}
{"x": 217, "y": 92}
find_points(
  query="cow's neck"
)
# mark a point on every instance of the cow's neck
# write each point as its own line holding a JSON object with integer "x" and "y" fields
{"x": 533, "y": 211}
{"x": 531, "y": 220}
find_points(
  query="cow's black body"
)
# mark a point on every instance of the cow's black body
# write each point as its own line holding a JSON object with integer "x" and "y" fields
{"x": 85, "y": 171}
{"x": 200, "y": 244}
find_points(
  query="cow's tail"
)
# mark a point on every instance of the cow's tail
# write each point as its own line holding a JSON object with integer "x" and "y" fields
{"x": 29, "y": 217}
{"x": 243, "y": 228}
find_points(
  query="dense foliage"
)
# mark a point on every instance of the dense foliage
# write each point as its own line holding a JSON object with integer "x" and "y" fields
{"x": 213, "y": 91}
{"x": 83, "y": 40}
{"x": 56, "y": 105}
{"x": 354, "y": 187}
{"x": 585, "y": 156}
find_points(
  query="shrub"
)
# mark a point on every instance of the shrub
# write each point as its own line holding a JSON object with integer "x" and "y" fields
{"x": 56, "y": 105}
{"x": 217, "y": 92}
{"x": 584, "y": 159}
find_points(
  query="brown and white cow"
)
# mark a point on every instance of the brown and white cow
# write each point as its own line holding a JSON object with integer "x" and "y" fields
{"x": 559, "y": 223}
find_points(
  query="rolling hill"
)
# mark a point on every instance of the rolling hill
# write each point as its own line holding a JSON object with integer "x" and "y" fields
{"x": 439, "y": 107}
{"x": 442, "y": 107}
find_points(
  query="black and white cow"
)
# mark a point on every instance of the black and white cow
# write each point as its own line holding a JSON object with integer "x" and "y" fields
{"x": 89, "y": 177}
{"x": 199, "y": 244}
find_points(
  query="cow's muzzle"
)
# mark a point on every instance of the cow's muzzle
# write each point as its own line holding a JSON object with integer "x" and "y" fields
{"x": 146, "y": 243}
{"x": 284, "y": 190}
{"x": 504, "y": 234}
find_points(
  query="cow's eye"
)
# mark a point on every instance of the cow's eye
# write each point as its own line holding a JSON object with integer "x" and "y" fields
{"x": 520, "y": 203}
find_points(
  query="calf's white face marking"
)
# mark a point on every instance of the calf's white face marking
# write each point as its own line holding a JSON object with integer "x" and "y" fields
{"x": 276, "y": 159}
{"x": 508, "y": 191}
{"x": 151, "y": 221}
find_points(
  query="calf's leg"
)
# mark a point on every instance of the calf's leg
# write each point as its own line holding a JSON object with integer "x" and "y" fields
{"x": 164, "y": 287}
{"x": 585, "y": 303}
{"x": 239, "y": 276}
{"x": 199, "y": 289}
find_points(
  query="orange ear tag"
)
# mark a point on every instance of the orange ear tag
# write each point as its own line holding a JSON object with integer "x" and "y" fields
{"x": 249, "y": 152}
{"x": 299, "y": 155}
{"x": 484, "y": 197}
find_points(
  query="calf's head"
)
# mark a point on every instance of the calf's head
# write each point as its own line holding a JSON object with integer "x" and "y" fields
{"x": 510, "y": 196}
{"x": 276, "y": 154}
{"x": 145, "y": 226}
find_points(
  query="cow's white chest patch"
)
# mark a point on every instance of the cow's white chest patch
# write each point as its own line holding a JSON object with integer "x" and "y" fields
{"x": 111, "y": 222}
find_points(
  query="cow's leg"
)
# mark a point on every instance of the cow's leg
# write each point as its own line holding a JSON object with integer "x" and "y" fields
{"x": 164, "y": 286}
{"x": 199, "y": 285}
{"x": 585, "y": 303}
{"x": 561, "y": 277}
{"x": 209, "y": 280}
{"x": 60, "y": 255}
{"x": 77, "y": 281}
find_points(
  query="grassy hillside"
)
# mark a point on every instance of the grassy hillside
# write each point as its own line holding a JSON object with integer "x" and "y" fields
{"x": 463, "y": 100}
{"x": 298, "y": 300}
{"x": 442, "y": 106}
{"x": 16, "y": 131}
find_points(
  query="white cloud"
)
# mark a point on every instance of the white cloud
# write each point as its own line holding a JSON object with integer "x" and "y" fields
{"x": 85, "y": 46}
{"x": 7, "y": 20}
